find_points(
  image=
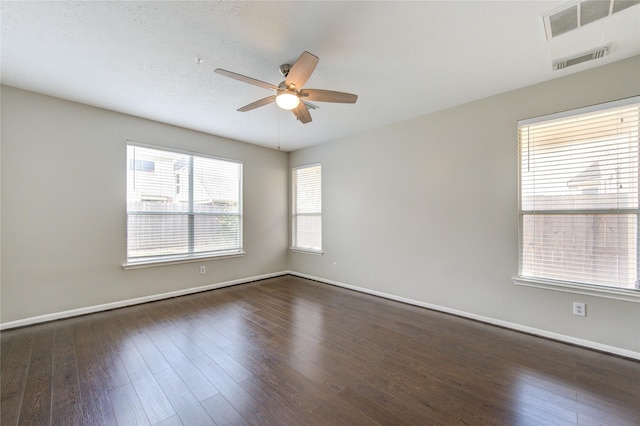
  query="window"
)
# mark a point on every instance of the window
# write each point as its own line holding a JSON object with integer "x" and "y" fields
{"x": 579, "y": 196}
{"x": 141, "y": 165}
{"x": 181, "y": 206}
{"x": 307, "y": 208}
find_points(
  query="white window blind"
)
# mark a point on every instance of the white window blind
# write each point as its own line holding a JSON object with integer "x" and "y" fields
{"x": 579, "y": 196}
{"x": 181, "y": 205}
{"x": 307, "y": 208}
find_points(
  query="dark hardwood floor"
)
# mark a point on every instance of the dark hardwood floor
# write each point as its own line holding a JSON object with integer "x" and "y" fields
{"x": 289, "y": 351}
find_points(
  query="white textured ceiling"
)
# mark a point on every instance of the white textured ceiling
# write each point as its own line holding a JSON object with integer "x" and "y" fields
{"x": 403, "y": 59}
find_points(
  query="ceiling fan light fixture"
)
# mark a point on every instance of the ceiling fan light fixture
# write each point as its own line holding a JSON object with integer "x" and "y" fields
{"x": 287, "y": 100}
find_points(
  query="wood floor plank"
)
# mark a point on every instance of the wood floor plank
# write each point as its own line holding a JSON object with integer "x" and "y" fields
{"x": 205, "y": 326}
{"x": 284, "y": 382}
{"x": 154, "y": 401}
{"x": 36, "y": 404}
{"x": 280, "y": 412}
{"x": 605, "y": 406}
{"x": 227, "y": 363}
{"x": 222, "y": 412}
{"x": 369, "y": 407}
{"x": 604, "y": 419}
{"x": 496, "y": 392}
{"x": 93, "y": 381}
{"x": 115, "y": 373}
{"x": 330, "y": 373}
{"x": 66, "y": 407}
{"x": 14, "y": 378}
{"x": 149, "y": 352}
{"x": 279, "y": 319}
{"x": 114, "y": 332}
{"x": 171, "y": 421}
{"x": 127, "y": 406}
{"x": 190, "y": 375}
{"x": 6, "y": 342}
{"x": 182, "y": 341}
{"x": 184, "y": 402}
{"x": 291, "y": 351}
{"x": 239, "y": 398}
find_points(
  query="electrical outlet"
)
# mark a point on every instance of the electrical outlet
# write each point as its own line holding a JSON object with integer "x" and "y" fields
{"x": 579, "y": 309}
{"x": 203, "y": 269}
{"x": 335, "y": 265}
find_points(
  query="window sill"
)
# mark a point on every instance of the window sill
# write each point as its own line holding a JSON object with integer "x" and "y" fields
{"x": 149, "y": 263}
{"x": 628, "y": 295}
{"x": 306, "y": 251}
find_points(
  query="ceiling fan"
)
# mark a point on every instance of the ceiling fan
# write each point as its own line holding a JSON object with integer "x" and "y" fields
{"x": 289, "y": 94}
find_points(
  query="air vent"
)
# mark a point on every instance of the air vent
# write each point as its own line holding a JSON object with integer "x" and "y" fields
{"x": 598, "y": 53}
{"x": 578, "y": 14}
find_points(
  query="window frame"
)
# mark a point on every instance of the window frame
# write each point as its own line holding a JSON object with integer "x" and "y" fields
{"x": 294, "y": 214}
{"x": 611, "y": 292}
{"x": 150, "y": 261}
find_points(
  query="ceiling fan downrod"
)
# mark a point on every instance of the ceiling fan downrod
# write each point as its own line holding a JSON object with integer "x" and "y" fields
{"x": 284, "y": 69}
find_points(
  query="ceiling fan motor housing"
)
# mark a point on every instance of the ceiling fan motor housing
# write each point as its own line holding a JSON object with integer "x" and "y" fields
{"x": 284, "y": 69}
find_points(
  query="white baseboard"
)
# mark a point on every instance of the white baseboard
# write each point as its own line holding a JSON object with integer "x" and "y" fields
{"x": 513, "y": 326}
{"x": 131, "y": 302}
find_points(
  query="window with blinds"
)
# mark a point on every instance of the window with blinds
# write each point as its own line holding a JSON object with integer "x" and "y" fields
{"x": 307, "y": 208}
{"x": 579, "y": 196}
{"x": 181, "y": 206}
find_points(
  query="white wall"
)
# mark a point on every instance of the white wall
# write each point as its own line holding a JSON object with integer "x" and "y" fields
{"x": 427, "y": 210}
{"x": 64, "y": 203}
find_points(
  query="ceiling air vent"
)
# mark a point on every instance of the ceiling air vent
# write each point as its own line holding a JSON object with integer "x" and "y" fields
{"x": 598, "y": 53}
{"x": 580, "y": 13}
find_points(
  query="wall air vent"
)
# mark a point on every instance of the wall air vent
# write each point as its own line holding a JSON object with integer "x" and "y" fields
{"x": 578, "y": 14}
{"x": 598, "y": 53}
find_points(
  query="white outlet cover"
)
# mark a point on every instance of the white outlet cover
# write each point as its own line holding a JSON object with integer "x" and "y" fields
{"x": 579, "y": 309}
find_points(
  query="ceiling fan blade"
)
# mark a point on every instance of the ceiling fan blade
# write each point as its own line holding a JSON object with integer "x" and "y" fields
{"x": 245, "y": 79}
{"x": 328, "y": 96}
{"x": 310, "y": 105}
{"x": 302, "y": 69}
{"x": 258, "y": 103}
{"x": 302, "y": 113}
